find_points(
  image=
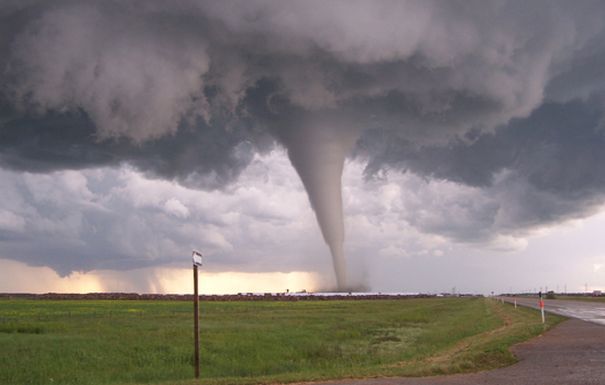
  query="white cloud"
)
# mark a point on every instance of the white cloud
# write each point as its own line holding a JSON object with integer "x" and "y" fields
{"x": 121, "y": 219}
{"x": 11, "y": 222}
{"x": 175, "y": 207}
{"x": 132, "y": 79}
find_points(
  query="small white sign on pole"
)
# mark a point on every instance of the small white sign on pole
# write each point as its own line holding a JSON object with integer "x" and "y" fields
{"x": 197, "y": 258}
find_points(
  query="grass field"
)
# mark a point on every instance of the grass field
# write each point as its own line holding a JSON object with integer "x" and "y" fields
{"x": 135, "y": 342}
{"x": 581, "y": 298}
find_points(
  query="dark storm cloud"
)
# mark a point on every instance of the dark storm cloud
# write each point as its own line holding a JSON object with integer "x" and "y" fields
{"x": 204, "y": 156}
{"x": 556, "y": 147}
{"x": 428, "y": 70}
{"x": 504, "y": 96}
{"x": 546, "y": 164}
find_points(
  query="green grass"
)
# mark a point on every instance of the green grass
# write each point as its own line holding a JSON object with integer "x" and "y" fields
{"x": 135, "y": 342}
{"x": 580, "y": 298}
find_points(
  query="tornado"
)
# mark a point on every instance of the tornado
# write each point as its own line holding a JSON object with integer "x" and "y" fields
{"x": 318, "y": 154}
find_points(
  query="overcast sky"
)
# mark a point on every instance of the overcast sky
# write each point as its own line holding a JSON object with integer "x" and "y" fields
{"x": 133, "y": 132}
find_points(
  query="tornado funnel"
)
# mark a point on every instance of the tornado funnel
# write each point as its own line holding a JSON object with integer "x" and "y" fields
{"x": 318, "y": 155}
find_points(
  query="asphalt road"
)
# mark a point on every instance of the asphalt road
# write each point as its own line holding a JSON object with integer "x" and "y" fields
{"x": 590, "y": 311}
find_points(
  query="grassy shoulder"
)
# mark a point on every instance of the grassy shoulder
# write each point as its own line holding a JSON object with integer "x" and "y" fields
{"x": 487, "y": 350}
{"x": 588, "y": 298}
{"x": 134, "y": 342}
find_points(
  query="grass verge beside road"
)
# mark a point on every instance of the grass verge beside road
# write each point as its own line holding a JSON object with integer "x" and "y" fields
{"x": 135, "y": 342}
{"x": 588, "y": 298}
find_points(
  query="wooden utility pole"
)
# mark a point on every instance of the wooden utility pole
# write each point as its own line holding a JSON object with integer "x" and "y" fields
{"x": 197, "y": 261}
{"x": 196, "y": 322}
